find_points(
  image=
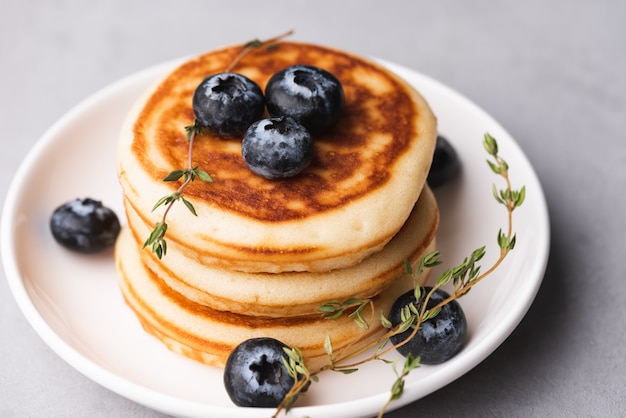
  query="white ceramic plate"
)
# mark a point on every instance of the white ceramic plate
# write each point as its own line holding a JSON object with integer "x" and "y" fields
{"x": 72, "y": 300}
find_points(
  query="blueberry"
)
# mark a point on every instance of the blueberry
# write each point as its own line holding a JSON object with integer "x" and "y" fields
{"x": 439, "y": 338}
{"x": 311, "y": 95}
{"x": 227, "y": 103}
{"x": 277, "y": 147}
{"x": 255, "y": 374}
{"x": 445, "y": 165}
{"x": 84, "y": 226}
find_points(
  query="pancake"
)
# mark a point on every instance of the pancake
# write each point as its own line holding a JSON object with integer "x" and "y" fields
{"x": 208, "y": 335}
{"x": 295, "y": 293}
{"x": 366, "y": 175}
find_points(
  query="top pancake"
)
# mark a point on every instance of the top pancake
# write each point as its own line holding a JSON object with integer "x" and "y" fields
{"x": 366, "y": 175}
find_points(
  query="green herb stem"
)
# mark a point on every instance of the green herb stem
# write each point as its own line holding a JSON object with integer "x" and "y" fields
{"x": 188, "y": 179}
{"x": 252, "y": 45}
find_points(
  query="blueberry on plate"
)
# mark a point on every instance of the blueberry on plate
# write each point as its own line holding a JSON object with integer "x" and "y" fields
{"x": 311, "y": 95}
{"x": 255, "y": 375}
{"x": 439, "y": 338}
{"x": 277, "y": 147}
{"x": 227, "y": 103}
{"x": 445, "y": 165}
{"x": 84, "y": 226}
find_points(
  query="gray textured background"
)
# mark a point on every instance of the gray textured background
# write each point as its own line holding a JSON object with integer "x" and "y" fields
{"x": 552, "y": 72}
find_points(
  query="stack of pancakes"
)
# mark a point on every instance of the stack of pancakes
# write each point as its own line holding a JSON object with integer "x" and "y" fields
{"x": 262, "y": 255}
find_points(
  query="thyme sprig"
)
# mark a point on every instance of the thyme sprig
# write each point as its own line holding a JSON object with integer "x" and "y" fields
{"x": 410, "y": 363}
{"x": 463, "y": 277}
{"x": 156, "y": 240}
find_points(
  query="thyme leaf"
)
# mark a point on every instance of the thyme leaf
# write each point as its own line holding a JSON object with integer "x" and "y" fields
{"x": 174, "y": 175}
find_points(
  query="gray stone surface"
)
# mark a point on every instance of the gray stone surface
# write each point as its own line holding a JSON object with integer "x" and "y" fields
{"x": 552, "y": 72}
